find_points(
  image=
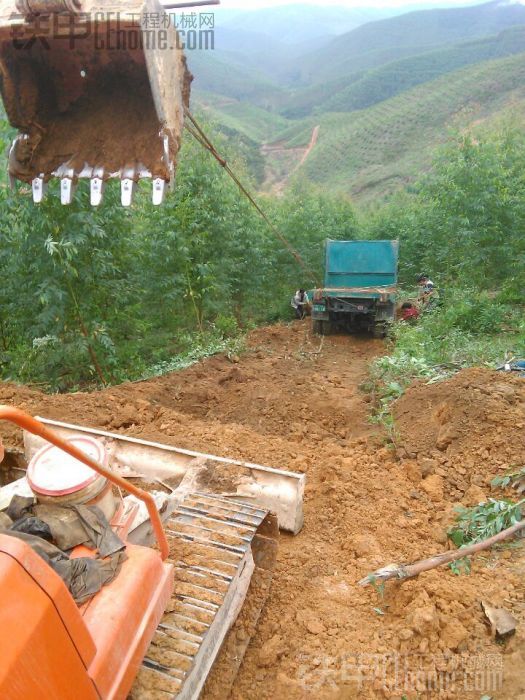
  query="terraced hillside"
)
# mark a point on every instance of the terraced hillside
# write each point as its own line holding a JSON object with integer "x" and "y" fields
{"x": 394, "y": 78}
{"x": 373, "y": 152}
{"x": 258, "y": 124}
{"x": 384, "y": 95}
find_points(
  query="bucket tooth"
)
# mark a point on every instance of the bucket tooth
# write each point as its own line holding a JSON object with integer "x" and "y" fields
{"x": 67, "y": 190}
{"x": 128, "y": 184}
{"x": 96, "y": 191}
{"x": 127, "y": 190}
{"x": 159, "y": 191}
{"x": 39, "y": 188}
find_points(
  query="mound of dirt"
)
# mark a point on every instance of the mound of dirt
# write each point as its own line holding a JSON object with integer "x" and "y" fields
{"x": 281, "y": 387}
{"x": 291, "y": 403}
{"x": 465, "y": 430}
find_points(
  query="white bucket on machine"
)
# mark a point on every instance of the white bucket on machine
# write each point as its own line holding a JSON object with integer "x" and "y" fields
{"x": 57, "y": 478}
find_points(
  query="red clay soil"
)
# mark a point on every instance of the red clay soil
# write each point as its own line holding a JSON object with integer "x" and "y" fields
{"x": 293, "y": 403}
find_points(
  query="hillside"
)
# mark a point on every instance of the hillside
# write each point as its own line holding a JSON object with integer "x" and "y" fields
{"x": 383, "y": 94}
{"x": 215, "y": 74}
{"x": 394, "y": 78}
{"x": 271, "y": 41}
{"x": 365, "y": 88}
{"x": 374, "y": 151}
{"x": 386, "y": 40}
{"x": 256, "y": 123}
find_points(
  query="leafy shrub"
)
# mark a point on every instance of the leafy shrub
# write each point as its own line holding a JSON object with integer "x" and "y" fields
{"x": 475, "y": 312}
{"x": 480, "y": 523}
{"x": 484, "y": 521}
{"x": 227, "y": 326}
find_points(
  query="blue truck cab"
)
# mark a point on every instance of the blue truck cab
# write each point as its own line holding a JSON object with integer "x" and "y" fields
{"x": 360, "y": 287}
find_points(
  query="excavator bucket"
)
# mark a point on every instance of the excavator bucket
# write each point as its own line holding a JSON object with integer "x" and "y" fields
{"x": 96, "y": 91}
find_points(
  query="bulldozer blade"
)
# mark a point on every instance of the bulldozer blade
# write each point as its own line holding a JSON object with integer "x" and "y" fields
{"x": 280, "y": 492}
{"x": 94, "y": 93}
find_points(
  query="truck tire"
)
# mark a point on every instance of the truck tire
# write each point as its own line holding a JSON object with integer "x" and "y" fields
{"x": 322, "y": 327}
{"x": 379, "y": 330}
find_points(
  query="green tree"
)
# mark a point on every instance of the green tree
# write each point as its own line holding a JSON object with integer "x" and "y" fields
{"x": 465, "y": 221}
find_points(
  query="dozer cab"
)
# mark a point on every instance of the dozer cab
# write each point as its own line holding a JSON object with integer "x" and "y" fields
{"x": 97, "y": 90}
{"x": 114, "y": 596}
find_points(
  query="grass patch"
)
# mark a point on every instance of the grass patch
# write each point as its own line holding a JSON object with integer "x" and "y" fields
{"x": 199, "y": 346}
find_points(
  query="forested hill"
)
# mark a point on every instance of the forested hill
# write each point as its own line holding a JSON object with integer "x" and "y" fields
{"x": 428, "y": 149}
{"x": 435, "y": 65}
{"x": 411, "y": 33}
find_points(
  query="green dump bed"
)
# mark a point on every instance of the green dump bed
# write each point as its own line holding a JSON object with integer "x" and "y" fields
{"x": 361, "y": 264}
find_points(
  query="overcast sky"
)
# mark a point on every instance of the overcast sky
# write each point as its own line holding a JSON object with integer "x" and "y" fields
{"x": 254, "y": 4}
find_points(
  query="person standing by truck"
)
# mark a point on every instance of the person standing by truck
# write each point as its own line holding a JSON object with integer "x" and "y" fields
{"x": 425, "y": 285}
{"x": 428, "y": 293}
{"x": 300, "y": 303}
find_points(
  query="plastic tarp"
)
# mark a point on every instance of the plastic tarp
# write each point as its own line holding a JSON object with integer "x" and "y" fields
{"x": 51, "y": 531}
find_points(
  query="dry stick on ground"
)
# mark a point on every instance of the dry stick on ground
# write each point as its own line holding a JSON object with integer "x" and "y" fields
{"x": 313, "y": 352}
{"x": 410, "y": 570}
{"x": 318, "y": 352}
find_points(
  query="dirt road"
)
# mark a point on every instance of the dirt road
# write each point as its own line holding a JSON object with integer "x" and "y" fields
{"x": 293, "y": 403}
{"x": 283, "y": 161}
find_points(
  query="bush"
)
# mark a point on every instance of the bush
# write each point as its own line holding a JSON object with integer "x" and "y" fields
{"x": 227, "y": 326}
{"x": 475, "y": 312}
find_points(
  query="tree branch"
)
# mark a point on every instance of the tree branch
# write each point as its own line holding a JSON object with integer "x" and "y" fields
{"x": 404, "y": 571}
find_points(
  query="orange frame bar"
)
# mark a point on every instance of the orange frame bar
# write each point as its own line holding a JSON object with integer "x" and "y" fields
{"x": 32, "y": 425}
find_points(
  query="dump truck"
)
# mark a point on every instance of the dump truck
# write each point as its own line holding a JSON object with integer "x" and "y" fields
{"x": 360, "y": 288}
{"x": 95, "y": 92}
{"x": 124, "y": 564}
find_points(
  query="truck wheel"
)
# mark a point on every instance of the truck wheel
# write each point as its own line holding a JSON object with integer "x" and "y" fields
{"x": 379, "y": 330}
{"x": 322, "y": 327}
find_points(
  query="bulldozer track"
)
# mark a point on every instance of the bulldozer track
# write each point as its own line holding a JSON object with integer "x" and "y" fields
{"x": 211, "y": 542}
